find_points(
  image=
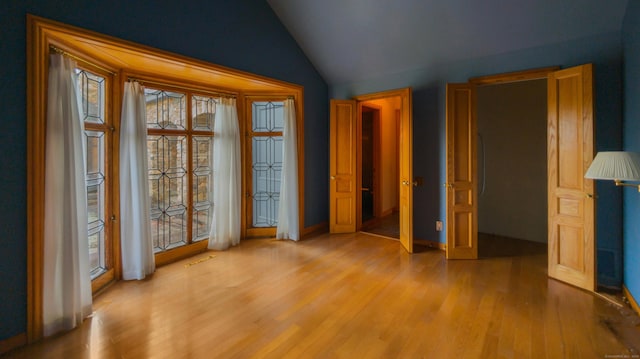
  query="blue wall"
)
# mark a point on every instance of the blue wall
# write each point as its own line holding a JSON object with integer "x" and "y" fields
{"x": 631, "y": 129}
{"x": 604, "y": 51}
{"x": 241, "y": 34}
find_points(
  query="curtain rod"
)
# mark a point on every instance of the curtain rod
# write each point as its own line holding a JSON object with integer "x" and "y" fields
{"x": 193, "y": 89}
{"x": 79, "y": 59}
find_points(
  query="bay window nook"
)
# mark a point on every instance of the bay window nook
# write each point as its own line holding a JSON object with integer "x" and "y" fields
{"x": 182, "y": 101}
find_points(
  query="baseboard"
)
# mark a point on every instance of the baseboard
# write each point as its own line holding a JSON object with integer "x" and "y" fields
{"x": 631, "y": 299}
{"x": 12, "y": 343}
{"x": 319, "y": 228}
{"x": 386, "y": 213}
{"x": 430, "y": 244}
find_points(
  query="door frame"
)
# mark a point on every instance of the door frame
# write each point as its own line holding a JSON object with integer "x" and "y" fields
{"x": 526, "y": 75}
{"x": 405, "y": 180}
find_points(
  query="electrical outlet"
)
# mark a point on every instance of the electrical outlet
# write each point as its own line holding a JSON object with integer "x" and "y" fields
{"x": 438, "y": 226}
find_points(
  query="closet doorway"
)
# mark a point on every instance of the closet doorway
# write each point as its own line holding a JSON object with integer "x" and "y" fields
{"x": 378, "y": 162}
{"x": 570, "y": 147}
{"x": 396, "y": 162}
{"x": 512, "y": 168}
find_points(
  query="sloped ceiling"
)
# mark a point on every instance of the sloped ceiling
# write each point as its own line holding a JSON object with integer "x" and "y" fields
{"x": 356, "y": 40}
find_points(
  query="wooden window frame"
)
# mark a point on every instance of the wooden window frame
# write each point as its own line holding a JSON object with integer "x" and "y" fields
{"x": 247, "y": 176}
{"x": 102, "y": 280}
{"x": 191, "y": 247}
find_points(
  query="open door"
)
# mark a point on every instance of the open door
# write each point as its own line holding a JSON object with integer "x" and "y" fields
{"x": 342, "y": 163}
{"x": 406, "y": 171}
{"x": 570, "y": 152}
{"x": 461, "y": 184}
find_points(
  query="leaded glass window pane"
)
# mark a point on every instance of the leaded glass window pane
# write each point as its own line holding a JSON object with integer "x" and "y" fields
{"x": 202, "y": 186}
{"x": 203, "y": 110}
{"x": 167, "y": 156}
{"x": 266, "y": 173}
{"x": 95, "y": 182}
{"x": 91, "y": 90}
{"x": 165, "y": 109}
{"x": 267, "y": 116}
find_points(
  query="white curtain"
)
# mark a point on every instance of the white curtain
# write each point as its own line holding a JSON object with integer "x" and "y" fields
{"x": 225, "y": 226}
{"x": 135, "y": 227}
{"x": 288, "y": 223}
{"x": 67, "y": 283}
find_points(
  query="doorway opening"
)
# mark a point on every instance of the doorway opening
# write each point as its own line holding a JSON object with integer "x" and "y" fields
{"x": 570, "y": 146}
{"x": 396, "y": 162}
{"x": 512, "y": 168}
{"x": 370, "y": 179}
{"x": 378, "y": 165}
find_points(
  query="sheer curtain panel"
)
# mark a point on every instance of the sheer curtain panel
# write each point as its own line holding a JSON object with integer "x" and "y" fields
{"x": 67, "y": 284}
{"x": 288, "y": 223}
{"x": 225, "y": 226}
{"x": 135, "y": 227}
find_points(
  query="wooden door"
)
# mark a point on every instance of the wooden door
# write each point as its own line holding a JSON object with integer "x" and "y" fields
{"x": 461, "y": 184}
{"x": 342, "y": 162}
{"x": 570, "y": 152}
{"x": 405, "y": 157}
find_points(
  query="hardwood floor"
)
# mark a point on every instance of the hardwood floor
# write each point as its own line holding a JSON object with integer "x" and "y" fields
{"x": 345, "y": 296}
{"x": 387, "y": 226}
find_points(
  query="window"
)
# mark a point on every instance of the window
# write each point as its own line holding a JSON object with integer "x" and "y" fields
{"x": 264, "y": 151}
{"x": 92, "y": 90}
{"x": 180, "y": 168}
{"x": 183, "y": 206}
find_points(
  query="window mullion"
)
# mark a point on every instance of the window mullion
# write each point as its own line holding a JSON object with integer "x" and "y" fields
{"x": 189, "y": 170}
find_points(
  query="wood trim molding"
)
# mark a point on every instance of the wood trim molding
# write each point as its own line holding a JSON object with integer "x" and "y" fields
{"x": 322, "y": 227}
{"x": 36, "y": 127}
{"x": 631, "y": 299}
{"x": 430, "y": 244}
{"x": 176, "y": 254}
{"x": 388, "y": 212}
{"x": 526, "y": 75}
{"x": 406, "y": 91}
{"x": 13, "y": 343}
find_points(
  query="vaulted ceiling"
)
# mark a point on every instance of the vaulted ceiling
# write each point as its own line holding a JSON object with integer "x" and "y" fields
{"x": 356, "y": 40}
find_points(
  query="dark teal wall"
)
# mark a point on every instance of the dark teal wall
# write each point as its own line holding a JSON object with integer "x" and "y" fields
{"x": 241, "y": 34}
{"x": 604, "y": 51}
{"x": 631, "y": 129}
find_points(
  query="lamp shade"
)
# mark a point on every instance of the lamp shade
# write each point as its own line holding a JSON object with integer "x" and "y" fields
{"x": 615, "y": 165}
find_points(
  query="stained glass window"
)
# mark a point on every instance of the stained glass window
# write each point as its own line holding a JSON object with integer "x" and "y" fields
{"x": 266, "y": 153}
{"x": 91, "y": 88}
{"x": 180, "y": 168}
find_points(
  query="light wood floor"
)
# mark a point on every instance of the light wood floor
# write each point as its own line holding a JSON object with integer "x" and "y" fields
{"x": 388, "y": 226}
{"x": 345, "y": 296}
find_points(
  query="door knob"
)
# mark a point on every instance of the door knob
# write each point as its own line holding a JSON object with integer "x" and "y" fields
{"x": 333, "y": 177}
{"x": 588, "y": 195}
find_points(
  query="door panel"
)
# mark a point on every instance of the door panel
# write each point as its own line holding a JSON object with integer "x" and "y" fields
{"x": 406, "y": 171}
{"x": 570, "y": 151}
{"x": 342, "y": 187}
{"x": 462, "y": 206}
